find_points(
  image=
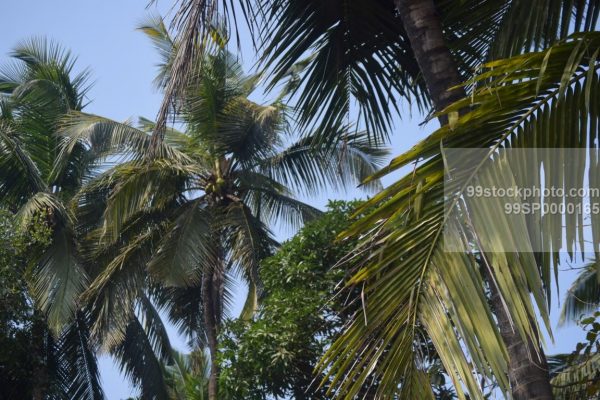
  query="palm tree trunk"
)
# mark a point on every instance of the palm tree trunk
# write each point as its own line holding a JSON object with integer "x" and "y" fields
{"x": 210, "y": 324}
{"x": 424, "y": 30}
{"x": 528, "y": 370}
{"x": 527, "y": 366}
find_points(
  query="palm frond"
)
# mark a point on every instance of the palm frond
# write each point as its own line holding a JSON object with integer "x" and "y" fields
{"x": 249, "y": 131}
{"x": 357, "y": 51}
{"x": 46, "y": 63}
{"x": 113, "y": 293}
{"x": 137, "y": 360}
{"x": 156, "y": 331}
{"x": 306, "y": 167}
{"x": 155, "y": 28}
{"x": 271, "y": 201}
{"x": 187, "y": 247}
{"x": 248, "y": 238}
{"x": 187, "y": 376}
{"x": 76, "y": 352}
{"x": 142, "y": 187}
{"x": 184, "y": 308}
{"x": 583, "y": 296}
{"x": 58, "y": 276}
{"x": 193, "y": 24}
{"x": 574, "y": 379}
{"x": 106, "y": 137}
{"x": 19, "y": 173}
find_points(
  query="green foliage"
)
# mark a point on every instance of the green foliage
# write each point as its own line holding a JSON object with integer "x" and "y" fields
{"x": 19, "y": 324}
{"x": 543, "y": 99}
{"x": 275, "y": 353}
{"x": 187, "y": 376}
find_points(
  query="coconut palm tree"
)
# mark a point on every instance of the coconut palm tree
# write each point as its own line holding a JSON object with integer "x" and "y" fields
{"x": 181, "y": 217}
{"x": 36, "y": 90}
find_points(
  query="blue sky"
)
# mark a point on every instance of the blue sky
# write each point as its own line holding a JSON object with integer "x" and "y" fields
{"x": 102, "y": 34}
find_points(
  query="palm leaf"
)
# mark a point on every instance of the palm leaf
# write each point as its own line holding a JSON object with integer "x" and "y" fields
{"x": 76, "y": 351}
{"x": 139, "y": 363}
{"x": 306, "y": 167}
{"x": 187, "y": 247}
{"x": 583, "y": 296}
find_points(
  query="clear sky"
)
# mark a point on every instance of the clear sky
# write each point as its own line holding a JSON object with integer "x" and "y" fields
{"x": 102, "y": 34}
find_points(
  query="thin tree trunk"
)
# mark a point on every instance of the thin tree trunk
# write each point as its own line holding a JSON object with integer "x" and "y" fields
{"x": 527, "y": 368}
{"x": 39, "y": 344}
{"x": 210, "y": 324}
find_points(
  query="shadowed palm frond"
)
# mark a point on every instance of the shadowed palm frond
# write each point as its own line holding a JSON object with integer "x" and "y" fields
{"x": 58, "y": 277}
{"x": 137, "y": 360}
{"x": 120, "y": 282}
{"x": 187, "y": 248}
{"x": 183, "y": 306}
{"x": 76, "y": 352}
{"x": 356, "y": 52}
{"x": 156, "y": 331}
{"x": 248, "y": 238}
{"x": 319, "y": 49}
{"x": 19, "y": 173}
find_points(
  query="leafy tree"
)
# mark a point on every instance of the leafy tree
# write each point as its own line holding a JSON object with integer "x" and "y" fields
{"x": 24, "y": 351}
{"x": 274, "y": 355}
{"x": 174, "y": 220}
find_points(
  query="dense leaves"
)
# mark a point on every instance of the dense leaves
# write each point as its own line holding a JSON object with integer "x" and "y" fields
{"x": 275, "y": 353}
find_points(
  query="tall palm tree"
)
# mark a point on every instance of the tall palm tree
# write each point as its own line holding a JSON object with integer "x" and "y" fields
{"x": 181, "y": 217}
{"x": 36, "y": 90}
